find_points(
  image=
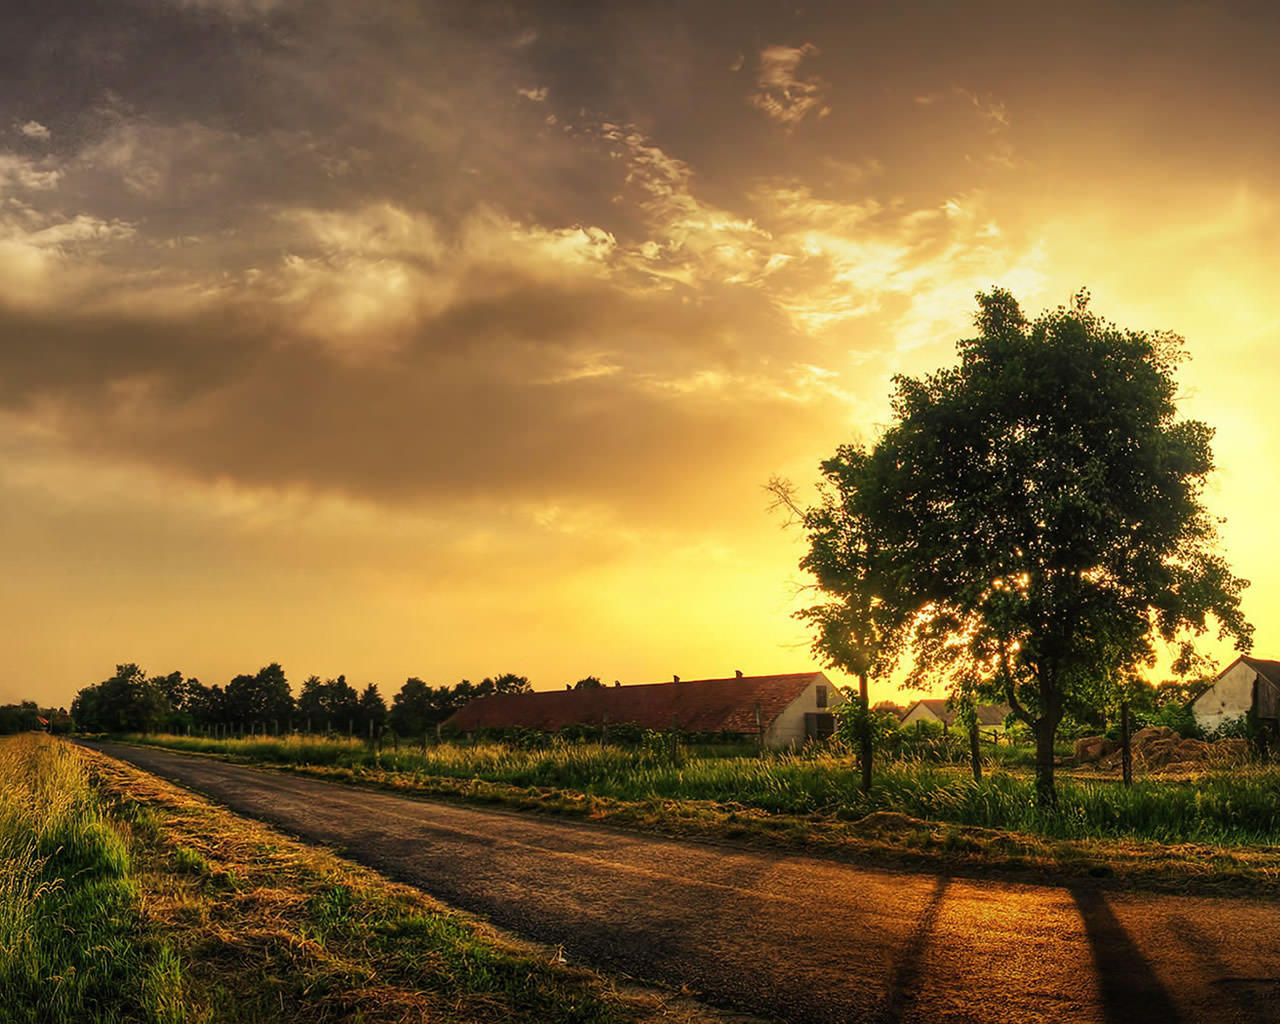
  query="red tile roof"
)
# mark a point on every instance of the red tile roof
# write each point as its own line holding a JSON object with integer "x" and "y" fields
{"x": 698, "y": 705}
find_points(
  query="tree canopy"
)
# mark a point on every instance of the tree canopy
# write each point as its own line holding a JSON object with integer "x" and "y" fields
{"x": 1030, "y": 525}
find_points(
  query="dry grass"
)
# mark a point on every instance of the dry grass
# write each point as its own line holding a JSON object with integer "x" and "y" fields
{"x": 269, "y": 928}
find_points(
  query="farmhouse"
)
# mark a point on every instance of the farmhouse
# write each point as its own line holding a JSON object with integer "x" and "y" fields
{"x": 990, "y": 716}
{"x": 782, "y": 709}
{"x": 1246, "y": 684}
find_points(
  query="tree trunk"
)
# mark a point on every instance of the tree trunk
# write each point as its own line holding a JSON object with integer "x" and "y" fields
{"x": 865, "y": 738}
{"x": 1126, "y": 754}
{"x": 1046, "y": 794}
{"x": 973, "y": 751}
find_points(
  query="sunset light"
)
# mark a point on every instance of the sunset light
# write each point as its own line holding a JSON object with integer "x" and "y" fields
{"x": 379, "y": 343}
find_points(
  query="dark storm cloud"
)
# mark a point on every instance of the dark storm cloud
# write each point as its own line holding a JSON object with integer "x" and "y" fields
{"x": 414, "y": 249}
{"x": 484, "y": 398}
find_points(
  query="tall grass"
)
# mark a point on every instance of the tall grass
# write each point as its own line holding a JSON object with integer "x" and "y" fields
{"x": 72, "y": 945}
{"x": 1240, "y": 806}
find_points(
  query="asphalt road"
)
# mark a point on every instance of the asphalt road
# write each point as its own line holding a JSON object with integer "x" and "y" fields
{"x": 790, "y": 937}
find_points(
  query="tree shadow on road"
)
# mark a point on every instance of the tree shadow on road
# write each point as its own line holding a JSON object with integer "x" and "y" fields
{"x": 904, "y": 977}
{"x": 1130, "y": 990}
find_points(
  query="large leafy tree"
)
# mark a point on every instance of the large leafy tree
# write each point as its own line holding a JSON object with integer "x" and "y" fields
{"x": 412, "y": 708}
{"x": 261, "y": 698}
{"x": 329, "y": 703}
{"x": 127, "y": 702}
{"x": 1030, "y": 525}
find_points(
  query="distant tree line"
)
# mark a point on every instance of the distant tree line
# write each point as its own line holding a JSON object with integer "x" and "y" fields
{"x": 28, "y": 716}
{"x": 132, "y": 701}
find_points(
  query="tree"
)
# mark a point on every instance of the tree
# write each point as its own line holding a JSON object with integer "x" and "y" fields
{"x": 261, "y": 698}
{"x": 1030, "y": 526}
{"x": 412, "y": 708}
{"x": 329, "y": 703}
{"x": 508, "y": 682}
{"x": 127, "y": 702}
{"x": 588, "y": 683}
{"x": 857, "y": 627}
{"x": 207, "y": 704}
{"x": 373, "y": 709}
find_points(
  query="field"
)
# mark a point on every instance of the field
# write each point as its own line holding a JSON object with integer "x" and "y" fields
{"x": 1240, "y": 806}
{"x": 123, "y": 898}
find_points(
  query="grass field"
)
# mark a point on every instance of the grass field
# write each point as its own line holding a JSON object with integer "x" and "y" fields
{"x": 1236, "y": 807}
{"x": 73, "y": 942}
{"x": 123, "y": 898}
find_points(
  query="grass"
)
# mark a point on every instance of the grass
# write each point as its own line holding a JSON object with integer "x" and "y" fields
{"x": 73, "y": 943}
{"x": 1236, "y": 807}
{"x": 1212, "y": 833}
{"x": 269, "y": 929}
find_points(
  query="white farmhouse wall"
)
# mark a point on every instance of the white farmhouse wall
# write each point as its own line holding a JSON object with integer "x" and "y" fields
{"x": 919, "y": 713}
{"x": 1227, "y": 699}
{"x": 788, "y": 727}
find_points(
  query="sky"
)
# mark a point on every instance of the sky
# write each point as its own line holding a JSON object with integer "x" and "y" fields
{"x": 449, "y": 339}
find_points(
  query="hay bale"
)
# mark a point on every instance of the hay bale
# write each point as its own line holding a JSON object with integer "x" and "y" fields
{"x": 1153, "y": 734}
{"x": 1092, "y": 748}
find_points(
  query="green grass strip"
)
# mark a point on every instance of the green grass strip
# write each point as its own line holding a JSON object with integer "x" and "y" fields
{"x": 73, "y": 946}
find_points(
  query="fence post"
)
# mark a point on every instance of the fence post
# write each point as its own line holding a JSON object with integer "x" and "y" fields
{"x": 973, "y": 749}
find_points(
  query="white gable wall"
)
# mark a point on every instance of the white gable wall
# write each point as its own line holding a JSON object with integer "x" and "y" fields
{"x": 1229, "y": 698}
{"x": 919, "y": 713}
{"x": 788, "y": 727}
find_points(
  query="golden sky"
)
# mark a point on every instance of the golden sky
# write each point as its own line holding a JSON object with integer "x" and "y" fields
{"x": 449, "y": 339}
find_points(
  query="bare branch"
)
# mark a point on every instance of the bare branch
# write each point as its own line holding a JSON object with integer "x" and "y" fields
{"x": 784, "y": 500}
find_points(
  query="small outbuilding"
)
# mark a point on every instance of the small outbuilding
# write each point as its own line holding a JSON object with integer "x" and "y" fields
{"x": 991, "y": 717}
{"x": 783, "y": 709}
{"x": 1247, "y": 684}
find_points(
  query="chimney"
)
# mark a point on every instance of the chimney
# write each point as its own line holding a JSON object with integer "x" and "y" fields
{"x": 675, "y": 679}
{"x": 737, "y": 672}
{"x": 617, "y": 682}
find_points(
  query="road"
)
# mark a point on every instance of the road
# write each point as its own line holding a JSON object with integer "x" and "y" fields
{"x": 790, "y": 937}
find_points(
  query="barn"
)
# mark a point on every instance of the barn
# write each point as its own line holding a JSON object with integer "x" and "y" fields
{"x": 783, "y": 709}
{"x": 1246, "y": 684}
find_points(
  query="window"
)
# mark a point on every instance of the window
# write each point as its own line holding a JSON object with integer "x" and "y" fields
{"x": 822, "y": 696}
{"x": 819, "y": 725}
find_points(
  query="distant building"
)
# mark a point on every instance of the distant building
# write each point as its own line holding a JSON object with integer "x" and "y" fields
{"x": 786, "y": 709}
{"x": 1246, "y": 684}
{"x": 889, "y": 705}
{"x": 991, "y": 717}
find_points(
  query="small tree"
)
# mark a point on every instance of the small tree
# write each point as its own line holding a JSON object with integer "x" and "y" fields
{"x": 373, "y": 709}
{"x": 857, "y": 628}
{"x": 1030, "y": 522}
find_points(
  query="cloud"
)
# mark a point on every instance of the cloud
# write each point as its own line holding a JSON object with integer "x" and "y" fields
{"x": 36, "y": 176}
{"x": 781, "y": 94}
{"x": 34, "y": 130}
{"x": 236, "y": 10}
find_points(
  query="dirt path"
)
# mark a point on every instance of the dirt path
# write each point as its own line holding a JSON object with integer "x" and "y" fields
{"x": 798, "y": 938}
